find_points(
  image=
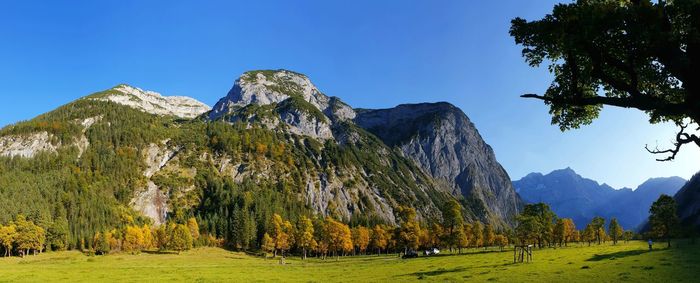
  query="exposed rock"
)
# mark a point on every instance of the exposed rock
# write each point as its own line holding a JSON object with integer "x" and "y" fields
{"x": 440, "y": 139}
{"x": 299, "y": 104}
{"x": 154, "y": 103}
{"x": 27, "y": 145}
{"x": 151, "y": 202}
{"x": 688, "y": 200}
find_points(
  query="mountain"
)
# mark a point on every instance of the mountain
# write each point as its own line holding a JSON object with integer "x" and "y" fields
{"x": 274, "y": 144}
{"x": 442, "y": 140}
{"x": 688, "y": 200}
{"x": 581, "y": 199}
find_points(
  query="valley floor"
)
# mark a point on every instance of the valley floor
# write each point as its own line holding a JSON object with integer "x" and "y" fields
{"x": 629, "y": 262}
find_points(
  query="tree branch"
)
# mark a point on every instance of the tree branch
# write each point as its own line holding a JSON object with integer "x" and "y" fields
{"x": 681, "y": 139}
{"x": 642, "y": 103}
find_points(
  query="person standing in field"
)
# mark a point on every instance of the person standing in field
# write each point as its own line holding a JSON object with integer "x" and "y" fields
{"x": 650, "y": 243}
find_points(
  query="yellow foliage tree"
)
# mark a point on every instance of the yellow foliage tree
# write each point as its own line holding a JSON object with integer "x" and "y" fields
{"x": 360, "y": 237}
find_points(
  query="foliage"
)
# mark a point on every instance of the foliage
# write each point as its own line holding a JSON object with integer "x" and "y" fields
{"x": 663, "y": 217}
{"x": 638, "y": 54}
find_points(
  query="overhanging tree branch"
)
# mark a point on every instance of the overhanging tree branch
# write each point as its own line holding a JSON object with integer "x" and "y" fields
{"x": 682, "y": 138}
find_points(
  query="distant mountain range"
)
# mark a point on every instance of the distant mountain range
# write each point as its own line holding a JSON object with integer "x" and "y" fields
{"x": 572, "y": 196}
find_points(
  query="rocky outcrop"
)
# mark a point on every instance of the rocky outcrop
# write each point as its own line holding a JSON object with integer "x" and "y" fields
{"x": 442, "y": 141}
{"x": 27, "y": 145}
{"x": 154, "y": 103}
{"x": 291, "y": 98}
{"x": 688, "y": 200}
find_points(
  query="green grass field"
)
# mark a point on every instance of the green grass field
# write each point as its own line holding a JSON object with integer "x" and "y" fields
{"x": 606, "y": 263}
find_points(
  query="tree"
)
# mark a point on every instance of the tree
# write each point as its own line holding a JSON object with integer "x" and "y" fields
{"x": 57, "y": 235}
{"x": 305, "y": 237}
{"x": 452, "y": 223}
{"x": 339, "y": 236}
{"x": 627, "y": 235}
{"x": 489, "y": 236}
{"x": 500, "y": 241}
{"x": 543, "y": 225}
{"x": 464, "y": 237}
{"x": 615, "y": 230}
{"x": 477, "y": 235}
{"x": 360, "y": 238}
{"x": 282, "y": 233}
{"x": 379, "y": 238}
{"x": 180, "y": 238}
{"x": 559, "y": 232}
{"x": 598, "y": 225}
{"x": 133, "y": 239}
{"x": 148, "y": 238}
{"x": 29, "y": 236}
{"x": 589, "y": 234}
{"x": 101, "y": 243}
{"x": 161, "y": 237}
{"x": 570, "y": 232}
{"x": 527, "y": 229}
{"x": 8, "y": 234}
{"x": 194, "y": 228}
{"x": 639, "y": 53}
{"x": 663, "y": 218}
{"x": 268, "y": 244}
{"x": 409, "y": 231}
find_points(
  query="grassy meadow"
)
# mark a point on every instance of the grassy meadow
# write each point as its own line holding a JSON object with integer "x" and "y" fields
{"x": 625, "y": 262}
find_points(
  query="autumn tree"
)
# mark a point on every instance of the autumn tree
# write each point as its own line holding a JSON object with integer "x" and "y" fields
{"x": 8, "y": 234}
{"x": 194, "y": 228}
{"x": 663, "y": 218}
{"x": 409, "y": 231}
{"x": 148, "y": 239}
{"x": 615, "y": 230}
{"x": 633, "y": 54}
{"x": 305, "y": 235}
{"x": 489, "y": 236}
{"x": 339, "y": 236}
{"x": 133, "y": 239}
{"x": 436, "y": 234}
{"x": 360, "y": 238}
{"x": 282, "y": 233}
{"x": 268, "y": 244}
{"x": 570, "y": 232}
{"x": 500, "y": 241}
{"x": 161, "y": 236}
{"x": 589, "y": 234}
{"x": 29, "y": 236}
{"x": 598, "y": 225}
{"x": 478, "y": 235}
{"x": 180, "y": 238}
{"x": 453, "y": 223}
{"x": 379, "y": 238}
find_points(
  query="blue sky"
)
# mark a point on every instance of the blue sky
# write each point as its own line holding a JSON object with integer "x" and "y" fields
{"x": 372, "y": 54}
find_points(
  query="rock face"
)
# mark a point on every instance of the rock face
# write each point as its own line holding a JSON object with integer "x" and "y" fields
{"x": 26, "y": 146}
{"x": 440, "y": 139}
{"x": 282, "y": 96}
{"x": 688, "y": 200}
{"x": 572, "y": 196}
{"x": 154, "y": 103}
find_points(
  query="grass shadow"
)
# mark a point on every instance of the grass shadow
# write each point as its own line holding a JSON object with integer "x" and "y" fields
{"x": 436, "y": 272}
{"x": 160, "y": 252}
{"x": 599, "y": 257}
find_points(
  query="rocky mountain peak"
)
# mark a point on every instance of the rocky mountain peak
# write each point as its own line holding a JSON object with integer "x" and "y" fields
{"x": 265, "y": 87}
{"x": 153, "y": 102}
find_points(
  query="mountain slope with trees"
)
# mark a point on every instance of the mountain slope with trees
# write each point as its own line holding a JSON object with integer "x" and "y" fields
{"x": 274, "y": 145}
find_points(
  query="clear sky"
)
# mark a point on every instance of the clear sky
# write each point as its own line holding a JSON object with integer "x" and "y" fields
{"x": 371, "y": 54}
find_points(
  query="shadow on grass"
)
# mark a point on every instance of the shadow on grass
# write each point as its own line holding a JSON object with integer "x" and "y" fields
{"x": 622, "y": 254}
{"x": 436, "y": 272}
{"x": 160, "y": 252}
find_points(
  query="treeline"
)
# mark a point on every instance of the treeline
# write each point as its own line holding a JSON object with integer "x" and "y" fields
{"x": 327, "y": 236}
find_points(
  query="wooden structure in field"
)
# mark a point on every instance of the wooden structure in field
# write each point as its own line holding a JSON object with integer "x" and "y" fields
{"x": 522, "y": 253}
